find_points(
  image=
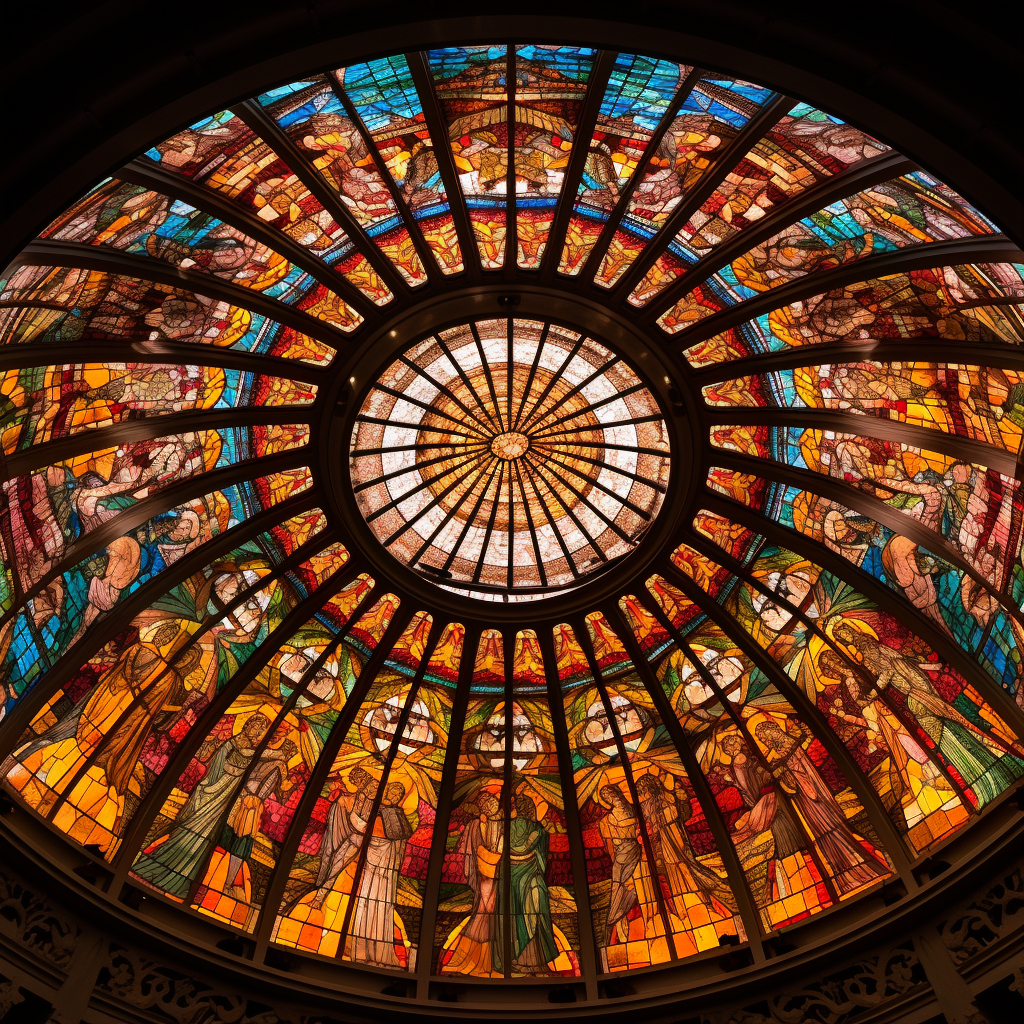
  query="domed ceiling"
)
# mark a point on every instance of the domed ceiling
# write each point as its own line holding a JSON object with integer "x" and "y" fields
{"x": 513, "y": 512}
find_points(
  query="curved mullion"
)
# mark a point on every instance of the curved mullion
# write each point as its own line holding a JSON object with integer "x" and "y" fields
{"x": 459, "y": 459}
{"x": 597, "y": 253}
{"x": 157, "y": 353}
{"x": 956, "y": 446}
{"x": 358, "y": 452}
{"x": 869, "y": 505}
{"x": 609, "y": 446}
{"x": 150, "y": 175}
{"x": 59, "y": 449}
{"x": 409, "y": 523}
{"x": 509, "y": 366}
{"x": 624, "y": 501}
{"x": 332, "y": 586}
{"x": 751, "y": 133}
{"x": 142, "y": 511}
{"x": 302, "y": 167}
{"x": 102, "y": 632}
{"x": 555, "y": 378}
{"x": 289, "y": 848}
{"x": 887, "y": 599}
{"x": 655, "y": 417}
{"x": 811, "y": 715}
{"x": 395, "y": 502}
{"x": 443, "y": 345}
{"x": 312, "y": 547}
{"x": 430, "y": 267}
{"x": 209, "y": 622}
{"x": 611, "y": 524}
{"x": 433, "y": 636}
{"x": 278, "y": 880}
{"x": 734, "y": 873}
{"x": 551, "y": 522}
{"x": 511, "y": 525}
{"x": 487, "y": 371}
{"x": 920, "y": 348}
{"x": 569, "y": 417}
{"x": 589, "y": 113}
{"x": 591, "y": 542}
{"x": 577, "y": 853}
{"x": 451, "y": 513}
{"x": 579, "y": 626}
{"x": 445, "y": 798}
{"x": 730, "y": 712}
{"x": 471, "y": 518}
{"x": 442, "y": 150}
{"x": 403, "y": 397}
{"x": 867, "y": 682}
{"x": 826, "y": 190}
{"x": 380, "y": 421}
{"x": 558, "y": 460}
{"x": 45, "y": 252}
{"x": 446, "y": 391}
{"x": 611, "y": 467}
{"x": 972, "y": 249}
{"x": 417, "y": 466}
{"x": 509, "y": 264}
{"x": 533, "y": 373}
{"x": 532, "y": 526}
{"x": 490, "y": 523}
{"x": 538, "y": 414}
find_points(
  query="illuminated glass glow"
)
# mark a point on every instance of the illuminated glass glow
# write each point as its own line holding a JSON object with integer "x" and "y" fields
{"x": 509, "y": 458}
{"x": 212, "y": 676}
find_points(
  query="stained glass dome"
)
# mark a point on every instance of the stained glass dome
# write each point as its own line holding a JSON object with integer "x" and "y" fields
{"x": 510, "y": 458}
{"x": 512, "y": 512}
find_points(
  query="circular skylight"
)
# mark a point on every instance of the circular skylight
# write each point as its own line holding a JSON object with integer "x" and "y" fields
{"x": 509, "y": 458}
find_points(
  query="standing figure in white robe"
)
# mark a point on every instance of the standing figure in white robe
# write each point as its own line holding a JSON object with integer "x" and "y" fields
{"x": 371, "y": 935}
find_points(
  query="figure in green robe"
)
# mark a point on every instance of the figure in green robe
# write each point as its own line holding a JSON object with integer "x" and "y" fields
{"x": 533, "y": 938}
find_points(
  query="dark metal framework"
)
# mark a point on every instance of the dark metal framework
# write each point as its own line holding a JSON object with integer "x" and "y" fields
{"x": 534, "y": 475}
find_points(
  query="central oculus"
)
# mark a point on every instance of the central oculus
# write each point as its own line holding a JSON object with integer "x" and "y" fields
{"x": 509, "y": 459}
{"x": 510, "y": 445}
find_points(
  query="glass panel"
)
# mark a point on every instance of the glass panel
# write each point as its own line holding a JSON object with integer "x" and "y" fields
{"x": 941, "y": 592}
{"x": 313, "y": 117}
{"x": 805, "y": 148}
{"x": 223, "y": 154}
{"x": 384, "y": 97}
{"x": 43, "y": 403}
{"x": 639, "y": 94}
{"x": 315, "y": 908}
{"x": 708, "y": 120}
{"x": 133, "y": 219}
{"x": 471, "y": 83}
{"x": 61, "y": 306}
{"x": 58, "y": 613}
{"x": 551, "y": 86}
{"x": 972, "y": 304}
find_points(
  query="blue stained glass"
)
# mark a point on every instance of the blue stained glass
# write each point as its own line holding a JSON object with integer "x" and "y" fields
{"x": 41, "y": 634}
{"x": 382, "y": 89}
{"x": 449, "y": 61}
{"x": 571, "y": 61}
{"x": 707, "y": 97}
{"x": 323, "y": 102}
{"x": 640, "y": 88}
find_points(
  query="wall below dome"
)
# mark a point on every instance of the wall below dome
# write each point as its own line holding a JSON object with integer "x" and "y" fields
{"x": 953, "y": 954}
